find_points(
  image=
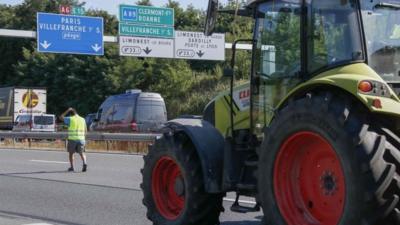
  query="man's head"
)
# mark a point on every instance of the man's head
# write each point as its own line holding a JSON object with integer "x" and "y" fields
{"x": 73, "y": 112}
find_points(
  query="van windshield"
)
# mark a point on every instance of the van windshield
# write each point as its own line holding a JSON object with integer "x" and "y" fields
{"x": 153, "y": 112}
{"x": 23, "y": 119}
{"x": 43, "y": 120}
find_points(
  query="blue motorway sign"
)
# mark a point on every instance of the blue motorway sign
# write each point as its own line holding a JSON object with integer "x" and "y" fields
{"x": 58, "y": 33}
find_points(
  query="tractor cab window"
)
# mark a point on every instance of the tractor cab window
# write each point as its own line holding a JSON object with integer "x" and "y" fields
{"x": 278, "y": 57}
{"x": 278, "y": 46}
{"x": 334, "y": 36}
{"x": 382, "y": 33}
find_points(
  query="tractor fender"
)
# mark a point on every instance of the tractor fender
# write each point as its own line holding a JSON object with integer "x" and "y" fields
{"x": 347, "y": 79}
{"x": 209, "y": 145}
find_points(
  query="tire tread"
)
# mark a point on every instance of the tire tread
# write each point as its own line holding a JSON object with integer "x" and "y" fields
{"x": 376, "y": 153}
{"x": 201, "y": 208}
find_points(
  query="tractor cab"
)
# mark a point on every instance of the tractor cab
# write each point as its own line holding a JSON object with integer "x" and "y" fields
{"x": 295, "y": 41}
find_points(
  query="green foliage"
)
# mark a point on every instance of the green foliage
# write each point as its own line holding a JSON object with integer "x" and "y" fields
{"x": 190, "y": 19}
{"x": 84, "y": 82}
{"x": 144, "y": 2}
{"x": 78, "y": 81}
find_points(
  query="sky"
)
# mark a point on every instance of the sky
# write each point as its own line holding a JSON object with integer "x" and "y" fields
{"x": 112, "y": 5}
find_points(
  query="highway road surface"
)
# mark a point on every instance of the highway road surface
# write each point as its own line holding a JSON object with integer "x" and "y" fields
{"x": 35, "y": 189}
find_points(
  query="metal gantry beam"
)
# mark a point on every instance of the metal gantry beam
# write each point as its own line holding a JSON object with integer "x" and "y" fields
{"x": 17, "y": 33}
{"x": 107, "y": 39}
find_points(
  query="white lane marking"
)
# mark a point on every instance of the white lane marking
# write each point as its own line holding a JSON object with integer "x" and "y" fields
{"x": 44, "y": 161}
{"x": 240, "y": 201}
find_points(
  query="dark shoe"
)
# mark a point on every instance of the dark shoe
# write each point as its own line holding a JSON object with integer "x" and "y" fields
{"x": 84, "y": 168}
{"x": 71, "y": 169}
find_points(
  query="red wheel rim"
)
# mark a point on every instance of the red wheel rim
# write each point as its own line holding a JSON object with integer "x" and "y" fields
{"x": 168, "y": 188}
{"x": 309, "y": 183}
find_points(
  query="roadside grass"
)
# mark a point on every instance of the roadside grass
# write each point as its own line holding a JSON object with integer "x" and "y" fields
{"x": 132, "y": 147}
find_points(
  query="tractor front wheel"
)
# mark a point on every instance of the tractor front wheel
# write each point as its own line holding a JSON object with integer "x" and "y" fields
{"x": 173, "y": 185}
{"x": 325, "y": 162}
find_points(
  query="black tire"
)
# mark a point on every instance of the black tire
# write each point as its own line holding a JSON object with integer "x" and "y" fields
{"x": 369, "y": 156}
{"x": 200, "y": 208}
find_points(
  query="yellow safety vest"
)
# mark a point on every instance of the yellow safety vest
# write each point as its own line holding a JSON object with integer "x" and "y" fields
{"x": 76, "y": 128}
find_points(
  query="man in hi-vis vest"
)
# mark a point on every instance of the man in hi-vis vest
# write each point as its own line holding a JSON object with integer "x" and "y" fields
{"x": 76, "y": 136}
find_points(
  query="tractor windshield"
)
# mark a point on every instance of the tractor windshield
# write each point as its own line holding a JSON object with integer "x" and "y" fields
{"x": 334, "y": 36}
{"x": 382, "y": 33}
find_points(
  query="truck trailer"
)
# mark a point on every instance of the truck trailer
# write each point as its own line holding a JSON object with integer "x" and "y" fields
{"x": 20, "y": 100}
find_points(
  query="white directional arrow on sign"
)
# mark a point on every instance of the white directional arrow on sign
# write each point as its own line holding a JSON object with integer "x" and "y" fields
{"x": 96, "y": 47}
{"x": 45, "y": 45}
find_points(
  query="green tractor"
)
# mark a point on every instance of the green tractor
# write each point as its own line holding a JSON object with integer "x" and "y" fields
{"x": 313, "y": 137}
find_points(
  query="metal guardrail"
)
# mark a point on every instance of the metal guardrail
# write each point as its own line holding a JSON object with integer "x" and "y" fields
{"x": 89, "y": 136}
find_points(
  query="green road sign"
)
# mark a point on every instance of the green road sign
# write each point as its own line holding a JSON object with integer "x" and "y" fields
{"x": 145, "y": 31}
{"x": 75, "y": 10}
{"x": 146, "y": 15}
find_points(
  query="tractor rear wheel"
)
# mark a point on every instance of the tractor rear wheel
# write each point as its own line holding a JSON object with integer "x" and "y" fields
{"x": 324, "y": 161}
{"x": 173, "y": 185}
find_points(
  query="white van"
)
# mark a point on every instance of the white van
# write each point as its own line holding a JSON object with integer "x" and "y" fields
{"x": 40, "y": 122}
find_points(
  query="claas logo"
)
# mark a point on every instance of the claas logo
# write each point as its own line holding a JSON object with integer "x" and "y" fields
{"x": 30, "y": 99}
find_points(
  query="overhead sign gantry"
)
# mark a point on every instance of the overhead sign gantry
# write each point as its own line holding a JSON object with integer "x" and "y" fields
{"x": 144, "y": 31}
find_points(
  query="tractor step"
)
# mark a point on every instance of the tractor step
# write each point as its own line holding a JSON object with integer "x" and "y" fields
{"x": 244, "y": 209}
{"x": 236, "y": 207}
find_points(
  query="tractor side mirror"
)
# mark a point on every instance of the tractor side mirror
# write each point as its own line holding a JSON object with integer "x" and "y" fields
{"x": 211, "y": 19}
{"x": 228, "y": 72}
